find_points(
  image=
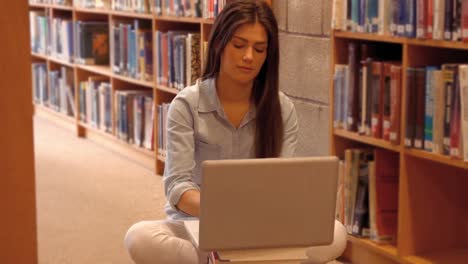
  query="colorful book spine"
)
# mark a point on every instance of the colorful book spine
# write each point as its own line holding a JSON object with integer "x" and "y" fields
{"x": 429, "y": 109}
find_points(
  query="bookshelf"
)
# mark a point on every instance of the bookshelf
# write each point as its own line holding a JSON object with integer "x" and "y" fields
{"x": 432, "y": 211}
{"x": 151, "y": 159}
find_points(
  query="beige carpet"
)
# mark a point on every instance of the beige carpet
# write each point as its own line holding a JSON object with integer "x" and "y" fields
{"x": 87, "y": 198}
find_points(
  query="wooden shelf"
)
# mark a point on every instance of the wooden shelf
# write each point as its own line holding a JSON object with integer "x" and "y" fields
{"x": 132, "y": 80}
{"x": 62, "y": 7}
{"x": 103, "y": 70}
{"x": 60, "y": 61}
{"x": 389, "y": 251}
{"x": 102, "y": 11}
{"x": 438, "y": 43}
{"x": 132, "y": 14}
{"x": 401, "y": 40}
{"x": 367, "y": 140}
{"x": 39, "y": 5}
{"x": 194, "y": 20}
{"x": 41, "y": 56}
{"x": 167, "y": 89}
{"x": 368, "y": 36}
{"x": 437, "y": 158}
{"x": 451, "y": 256}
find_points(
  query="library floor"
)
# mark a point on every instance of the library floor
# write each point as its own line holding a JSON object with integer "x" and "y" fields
{"x": 87, "y": 198}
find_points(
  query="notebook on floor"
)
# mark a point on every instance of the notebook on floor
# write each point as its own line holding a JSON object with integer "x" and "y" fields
{"x": 266, "y": 203}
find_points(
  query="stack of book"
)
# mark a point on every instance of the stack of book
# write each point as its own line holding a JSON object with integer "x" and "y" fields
{"x": 179, "y": 61}
{"x": 367, "y": 203}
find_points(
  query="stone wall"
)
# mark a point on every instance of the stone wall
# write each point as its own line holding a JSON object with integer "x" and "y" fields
{"x": 304, "y": 68}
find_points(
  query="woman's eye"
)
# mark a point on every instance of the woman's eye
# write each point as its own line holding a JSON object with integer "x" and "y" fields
{"x": 238, "y": 46}
{"x": 260, "y": 50}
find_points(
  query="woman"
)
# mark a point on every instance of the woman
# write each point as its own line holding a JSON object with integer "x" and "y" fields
{"x": 235, "y": 112}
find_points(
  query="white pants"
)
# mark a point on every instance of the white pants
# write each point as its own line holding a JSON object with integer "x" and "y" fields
{"x": 167, "y": 242}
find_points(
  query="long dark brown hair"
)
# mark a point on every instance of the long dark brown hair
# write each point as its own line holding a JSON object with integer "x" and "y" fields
{"x": 269, "y": 124}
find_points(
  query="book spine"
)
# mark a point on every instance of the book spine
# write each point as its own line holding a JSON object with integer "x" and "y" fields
{"x": 439, "y": 108}
{"x": 410, "y": 99}
{"x": 395, "y": 104}
{"x": 449, "y": 73}
{"x": 456, "y": 20}
{"x": 377, "y": 99}
{"x": 464, "y": 21}
{"x": 430, "y": 19}
{"x": 353, "y": 87}
{"x": 421, "y": 18}
{"x": 420, "y": 108}
{"x": 463, "y": 79}
{"x": 429, "y": 109}
{"x": 410, "y": 28}
{"x": 455, "y": 121}
{"x": 384, "y": 17}
{"x": 402, "y": 18}
{"x": 448, "y": 19}
{"x": 439, "y": 13}
{"x": 386, "y": 106}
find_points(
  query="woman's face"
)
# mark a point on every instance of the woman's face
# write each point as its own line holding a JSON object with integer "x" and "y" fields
{"x": 245, "y": 53}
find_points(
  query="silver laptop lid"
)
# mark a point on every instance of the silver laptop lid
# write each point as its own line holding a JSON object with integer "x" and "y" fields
{"x": 262, "y": 203}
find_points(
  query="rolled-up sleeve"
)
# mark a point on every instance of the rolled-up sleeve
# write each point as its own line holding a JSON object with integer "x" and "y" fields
{"x": 291, "y": 128}
{"x": 180, "y": 163}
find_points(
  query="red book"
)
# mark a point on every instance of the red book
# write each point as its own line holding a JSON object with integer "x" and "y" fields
{"x": 430, "y": 19}
{"x": 395, "y": 104}
{"x": 464, "y": 22}
{"x": 421, "y": 18}
{"x": 377, "y": 99}
{"x": 386, "y": 189}
{"x": 455, "y": 120}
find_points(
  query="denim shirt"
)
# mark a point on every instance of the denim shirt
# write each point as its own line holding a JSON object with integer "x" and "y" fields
{"x": 198, "y": 130}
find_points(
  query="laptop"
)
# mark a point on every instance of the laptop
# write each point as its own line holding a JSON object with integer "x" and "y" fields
{"x": 266, "y": 203}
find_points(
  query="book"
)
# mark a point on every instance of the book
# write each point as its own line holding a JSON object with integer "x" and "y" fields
{"x": 429, "y": 109}
{"x": 395, "y": 104}
{"x": 455, "y": 121}
{"x": 438, "y": 90}
{"x": 386, "y": 101}
{"x": 377, "y": 99}
{"x": 410, "y": 118}
{"x": 448, "y": 77}
{"x": 420, "y": 81}
{"x": 352, "y": 87}
{"x": 463, "y": 83}
{"x": 386, "y": 174}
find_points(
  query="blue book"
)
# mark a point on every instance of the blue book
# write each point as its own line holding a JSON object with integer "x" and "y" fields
{"x": 429, "y": 109}
{"x": 402, "y": 18}
{"x": 410, "y": 29}
{"x": 372, "y": 19}
{"x": 355, "y": 8}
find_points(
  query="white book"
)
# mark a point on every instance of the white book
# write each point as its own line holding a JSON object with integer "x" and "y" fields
{"x": 439, "y": 15}
{"x": 337, "y": 17}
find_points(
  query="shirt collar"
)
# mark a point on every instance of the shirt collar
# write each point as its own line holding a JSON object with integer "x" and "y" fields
{"x": 209, "y": 101}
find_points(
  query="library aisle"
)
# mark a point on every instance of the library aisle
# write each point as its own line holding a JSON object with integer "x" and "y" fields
{"x": 87, "y": 198}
